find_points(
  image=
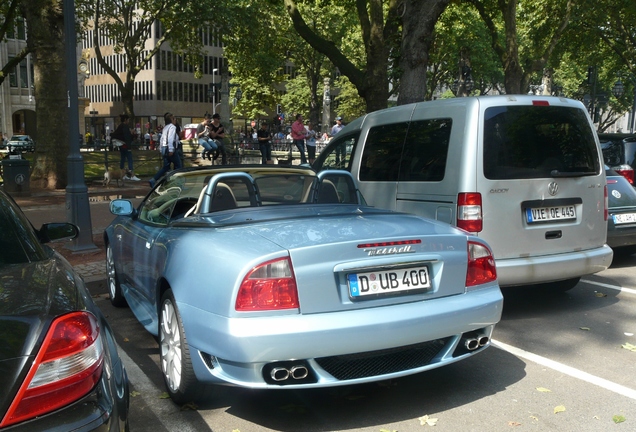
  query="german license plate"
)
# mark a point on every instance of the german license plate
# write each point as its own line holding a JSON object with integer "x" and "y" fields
{"x": 387, "y": 282}
{"x": 624, "y": 218}
{"x": 548, "y": 214}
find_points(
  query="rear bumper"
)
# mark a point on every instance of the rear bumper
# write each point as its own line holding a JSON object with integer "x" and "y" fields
{"x": 242, "y": 347}
{"x": 551, "y": 268}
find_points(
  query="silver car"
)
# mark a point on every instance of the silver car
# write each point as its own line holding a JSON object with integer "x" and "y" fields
{"x": 269, "y": 276}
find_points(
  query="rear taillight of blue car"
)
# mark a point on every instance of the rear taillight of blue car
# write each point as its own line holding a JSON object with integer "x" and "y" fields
{"x": 481, "y": 265}
{"x": 66, "y": 368}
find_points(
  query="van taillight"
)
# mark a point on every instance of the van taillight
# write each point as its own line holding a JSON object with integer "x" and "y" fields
{"x": 606, "y": 204}
{"x": 469, "y": 215}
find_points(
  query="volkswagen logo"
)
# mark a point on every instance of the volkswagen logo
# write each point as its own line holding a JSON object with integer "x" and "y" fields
{"x": 553, "y": 188}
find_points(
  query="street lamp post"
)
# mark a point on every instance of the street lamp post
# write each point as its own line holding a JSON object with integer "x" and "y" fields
{"x": 214, "y": 90}
{"x": 77, "y": 206}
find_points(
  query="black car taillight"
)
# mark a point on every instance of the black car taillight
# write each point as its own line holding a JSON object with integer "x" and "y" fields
{"x": 66, "y": 368}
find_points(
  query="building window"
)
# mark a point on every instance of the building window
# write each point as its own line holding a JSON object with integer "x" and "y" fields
{"x": 24, "y": 75}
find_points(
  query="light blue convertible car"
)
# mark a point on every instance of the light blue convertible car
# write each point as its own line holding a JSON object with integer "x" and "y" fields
{"x": 269, "y": 276}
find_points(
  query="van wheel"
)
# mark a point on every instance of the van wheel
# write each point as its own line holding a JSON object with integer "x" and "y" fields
{"x": 561, "y": 286}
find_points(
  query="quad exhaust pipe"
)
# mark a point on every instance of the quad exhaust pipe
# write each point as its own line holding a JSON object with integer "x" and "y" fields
{"x": 297, "y": 372}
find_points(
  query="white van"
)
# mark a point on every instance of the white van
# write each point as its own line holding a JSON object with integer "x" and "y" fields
{"x": 523, "y": 172}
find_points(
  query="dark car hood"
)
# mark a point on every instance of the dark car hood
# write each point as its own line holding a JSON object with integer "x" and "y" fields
{"x": 31, "y": 295}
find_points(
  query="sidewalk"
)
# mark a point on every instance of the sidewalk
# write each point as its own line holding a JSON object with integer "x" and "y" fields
{"x": 43, "y": 206}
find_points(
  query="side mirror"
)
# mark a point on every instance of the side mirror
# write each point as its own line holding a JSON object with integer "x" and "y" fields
{"x": 121, "y": 207}
{"x": 57, "y": 231}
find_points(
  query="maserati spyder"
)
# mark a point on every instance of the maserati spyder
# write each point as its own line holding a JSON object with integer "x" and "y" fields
{"x": 271, "y": 276}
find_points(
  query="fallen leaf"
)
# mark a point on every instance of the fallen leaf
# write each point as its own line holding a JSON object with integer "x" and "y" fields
{"x": 126, "y": 340}
{"x": 190, "y": 406}
{"x": 514, "y": 423}
{"x": 543, "y": 389}
{"x": 600, "y": 294}
{"x": 629, "y": 347}
{"x": 426, "y": 420}
{"x": 164, "y": 395}
{"x": 134, "y": 393}
{"x": 618, "y": 419}
{"x": 534, "y": 418}
{"x": 387, "y": 430}
{"x": 559, "y": 409}
{"x": 585, "y": 328}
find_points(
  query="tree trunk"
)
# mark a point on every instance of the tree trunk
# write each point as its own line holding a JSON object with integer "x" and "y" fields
{"x": 418, "y": 23}
{"x": 45, "y": 22}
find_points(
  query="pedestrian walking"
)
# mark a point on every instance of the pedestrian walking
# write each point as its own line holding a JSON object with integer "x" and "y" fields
{"x": 169, "y": 148}
{"x": 125, "y": 137}
{"x": 265, "y": 143}
{"x": 298, "y": 133}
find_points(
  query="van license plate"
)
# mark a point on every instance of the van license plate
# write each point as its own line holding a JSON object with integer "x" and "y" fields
{"x": 547, "y": 214}
{"x": 387, "y": 282}
{"x": 624, "y": 218}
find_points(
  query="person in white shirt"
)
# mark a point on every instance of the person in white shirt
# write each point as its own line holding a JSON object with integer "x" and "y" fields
{"x": 169, "y": 148}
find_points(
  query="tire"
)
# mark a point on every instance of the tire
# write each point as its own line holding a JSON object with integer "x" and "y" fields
{"x": 114, "y": 288}
{"x": 174, "y": 355}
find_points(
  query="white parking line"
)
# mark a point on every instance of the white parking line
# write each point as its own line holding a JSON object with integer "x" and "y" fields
{"x": 614, "y": 287}
{"x": 560, "y": 367}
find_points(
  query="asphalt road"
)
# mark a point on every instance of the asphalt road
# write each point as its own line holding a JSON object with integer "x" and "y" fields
{"x": 556, "y": 364}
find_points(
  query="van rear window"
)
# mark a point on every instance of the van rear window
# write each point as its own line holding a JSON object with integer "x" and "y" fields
{"x": 524, "y": 142}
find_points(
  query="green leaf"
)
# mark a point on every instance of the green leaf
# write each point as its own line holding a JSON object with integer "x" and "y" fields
{"x": 134, "y": 393}
{"x": 426, "y": 420}
{"x": 543, "y": 389}
{"x": 618, "y": 419}
{"x": 164, "y": 395}
{"x": 559, "y": 409}
{"x": 629, "y": 347}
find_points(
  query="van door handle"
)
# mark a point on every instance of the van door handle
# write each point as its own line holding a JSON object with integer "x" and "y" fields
{"x": 551, "y": 235}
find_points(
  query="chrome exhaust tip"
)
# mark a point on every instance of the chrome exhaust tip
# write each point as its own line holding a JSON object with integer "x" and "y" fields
{"x": 299, "y": 372}
{"x": 483, "y": 341}
{"x": 471, "y": 344}
{"x": 279, "y": 374}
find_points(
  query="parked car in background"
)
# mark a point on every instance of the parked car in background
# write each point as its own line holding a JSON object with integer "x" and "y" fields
{"x": 621, "y": 224}
{"x": 20, "y": 143}
{"x": 59, "y": 366}
{"x": 619, "y": 153}
{"x": 522, "y": 172}
{"x": 273, "y": 277}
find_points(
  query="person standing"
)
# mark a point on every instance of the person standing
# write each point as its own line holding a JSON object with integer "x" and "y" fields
{"x": 265, "y": 143}
{"x": 341, "y": 150}
{"x": 203, "y": 135}
{"x": 169, "y": 148}
{"x": 298, "y": 134}
{"x": 217, "y": 133}
{"x": 124, "y": 134}
{"x": 311, "y": 143}
{"x": 337, "y": 127}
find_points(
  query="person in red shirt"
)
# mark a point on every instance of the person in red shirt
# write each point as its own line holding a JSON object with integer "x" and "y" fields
{"x": 298, "y": 134}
